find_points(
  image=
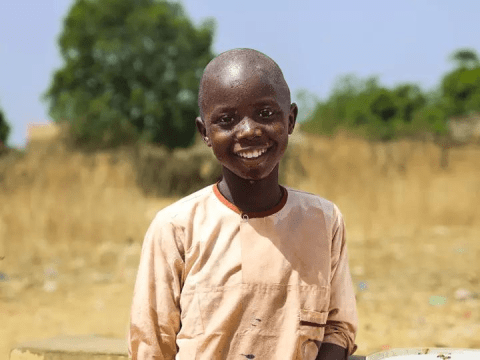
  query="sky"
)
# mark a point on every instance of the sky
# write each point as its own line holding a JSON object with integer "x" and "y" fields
{"x": 313, "y": 41}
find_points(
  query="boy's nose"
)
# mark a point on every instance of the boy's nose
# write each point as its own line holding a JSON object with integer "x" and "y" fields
{"x": 247, "y": 128}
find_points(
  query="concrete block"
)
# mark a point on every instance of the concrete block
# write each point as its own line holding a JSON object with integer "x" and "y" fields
{"x": 82, "y": 347}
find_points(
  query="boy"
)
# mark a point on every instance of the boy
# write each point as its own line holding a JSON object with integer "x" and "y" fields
{"x": 245, "y": 268}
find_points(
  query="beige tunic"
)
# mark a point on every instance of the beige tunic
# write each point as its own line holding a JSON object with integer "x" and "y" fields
{"x": 214, "y": 283}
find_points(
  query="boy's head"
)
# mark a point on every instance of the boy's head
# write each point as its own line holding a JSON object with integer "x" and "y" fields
{"x": 246, "y": 114}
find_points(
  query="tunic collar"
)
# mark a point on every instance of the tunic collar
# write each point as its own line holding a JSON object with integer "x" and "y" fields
{"x": 250, "y": 215}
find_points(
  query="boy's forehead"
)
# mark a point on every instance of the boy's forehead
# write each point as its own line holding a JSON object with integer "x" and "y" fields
{"x": 242, "y": 63}
{"x": 239, "y": 78}
{"x": 241, "y": 70}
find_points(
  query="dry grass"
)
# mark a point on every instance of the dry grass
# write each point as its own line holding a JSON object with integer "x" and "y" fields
{"x": 71, "y": 225}
{"x": 391, "y": 189}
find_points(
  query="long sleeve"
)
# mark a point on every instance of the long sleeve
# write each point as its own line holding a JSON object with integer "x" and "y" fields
{"x": 155, "y": 313}
{"x": 342, "y": 321}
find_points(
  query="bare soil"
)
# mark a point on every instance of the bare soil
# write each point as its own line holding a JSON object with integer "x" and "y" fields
{"x": 411, "y": 292}
{"x": 71, "y": 227}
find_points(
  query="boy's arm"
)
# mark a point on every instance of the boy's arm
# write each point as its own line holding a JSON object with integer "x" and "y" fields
{"x": 330, "y": 351}
{"x": 155, "y": 314}
{"x": 342, "y": 319}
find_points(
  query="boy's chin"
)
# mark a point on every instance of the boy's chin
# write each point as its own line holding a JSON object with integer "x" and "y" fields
{"x": 254, "y": 178}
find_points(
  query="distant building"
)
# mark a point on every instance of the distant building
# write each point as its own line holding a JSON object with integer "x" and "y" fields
{"x": 42, "y": 132}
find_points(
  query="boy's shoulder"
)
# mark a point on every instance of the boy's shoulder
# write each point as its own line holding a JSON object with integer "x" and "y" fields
{"x": 313, "y": 201}
{"x": 183, "y": 207}
{"x": 182, "y": 210}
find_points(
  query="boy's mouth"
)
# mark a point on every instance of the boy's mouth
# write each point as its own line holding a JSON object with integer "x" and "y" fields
{"x": 252, "y": 153}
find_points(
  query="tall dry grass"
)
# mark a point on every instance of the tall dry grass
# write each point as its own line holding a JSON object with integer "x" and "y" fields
{"x": 71, "y": 222}
{"x": 390, "y": 189}
{"x": 56, "y": 202}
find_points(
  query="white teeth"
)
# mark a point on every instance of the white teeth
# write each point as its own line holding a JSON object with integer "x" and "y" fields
{"x": 252, "y": 154}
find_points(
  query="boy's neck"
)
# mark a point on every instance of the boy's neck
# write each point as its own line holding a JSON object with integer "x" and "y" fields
{"x": 251, "y": 195}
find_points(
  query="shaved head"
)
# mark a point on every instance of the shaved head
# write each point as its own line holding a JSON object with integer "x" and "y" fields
{"x": 241, "y": 65}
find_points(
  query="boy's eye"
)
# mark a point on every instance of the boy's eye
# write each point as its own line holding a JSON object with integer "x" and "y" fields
{"x": 265, "y": 113}
{"x": 225, "y": 119}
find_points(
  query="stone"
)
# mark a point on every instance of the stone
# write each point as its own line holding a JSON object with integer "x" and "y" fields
{"x": 80, "y": 347}
{"x": 462, "y": 294}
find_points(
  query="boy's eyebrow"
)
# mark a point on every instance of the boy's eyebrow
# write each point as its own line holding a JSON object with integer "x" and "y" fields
{"x": 221, "y": 109}
{"x": 260, "y": 102}
{"x": 265, "y": 102}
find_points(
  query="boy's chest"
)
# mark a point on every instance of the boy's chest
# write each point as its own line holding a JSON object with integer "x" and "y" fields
{"x": 254, "y": 288}
{"x": 259, "y": 252}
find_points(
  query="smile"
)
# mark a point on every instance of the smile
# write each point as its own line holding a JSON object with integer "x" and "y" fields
{"x": 252, "y": 154}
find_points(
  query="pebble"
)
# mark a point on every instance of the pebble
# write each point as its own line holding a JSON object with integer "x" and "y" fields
{"x": 437, "y": 300}
{"x": 3, "y": 276}
{"x": 462, "y": 294}
{"x": 50, "y": 286}
{"x": 50, "y": 272}
{"x": 363, "y": 285}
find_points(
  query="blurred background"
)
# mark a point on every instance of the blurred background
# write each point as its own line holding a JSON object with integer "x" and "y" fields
{"x": 97, "y": 107}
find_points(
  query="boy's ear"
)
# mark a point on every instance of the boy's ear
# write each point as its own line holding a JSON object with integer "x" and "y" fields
{"x": 292, "y": 117}
{"x": 202, "y": 130}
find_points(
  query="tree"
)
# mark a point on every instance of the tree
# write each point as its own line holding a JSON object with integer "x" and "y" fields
{"x": 364, "y": 107}
{"x": 408, "y": 98}
{"x": 465, "y": 58}
{"x": 375, "y": 112}
{"x": 461, "y": 87}
{"x": 131, "y": 72}
{"x": 4, "y": 130}
{"x": 383, "y": 105}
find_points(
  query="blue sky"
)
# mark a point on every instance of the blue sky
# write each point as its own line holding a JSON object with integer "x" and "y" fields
{"x": 313, "y": 41}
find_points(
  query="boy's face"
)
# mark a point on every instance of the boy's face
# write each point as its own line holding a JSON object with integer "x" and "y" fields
{"x": 246, "y": 120}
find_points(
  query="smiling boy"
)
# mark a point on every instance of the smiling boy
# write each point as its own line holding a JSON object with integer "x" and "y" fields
{"x": 245, "y": 268}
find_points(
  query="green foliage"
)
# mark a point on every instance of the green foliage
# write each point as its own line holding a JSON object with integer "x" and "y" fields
{"x": 4, "y": 130}
{"x": 461, "y": 87}
{"x": 366, "y": 108}
{"x": 131, "y": 72}
{"x": 465, "y": 58}
{"x": 363, "y": 107}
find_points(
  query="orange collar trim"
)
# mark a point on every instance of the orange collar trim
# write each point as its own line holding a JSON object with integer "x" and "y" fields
{"x": 250, "y": 215}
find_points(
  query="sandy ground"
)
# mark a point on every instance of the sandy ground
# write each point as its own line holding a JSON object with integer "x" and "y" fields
{"x": 411, "y": 292}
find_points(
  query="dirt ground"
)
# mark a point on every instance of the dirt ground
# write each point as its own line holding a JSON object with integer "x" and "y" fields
{"x": 411, "y": 292}
{"x": 71, "y": 233}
